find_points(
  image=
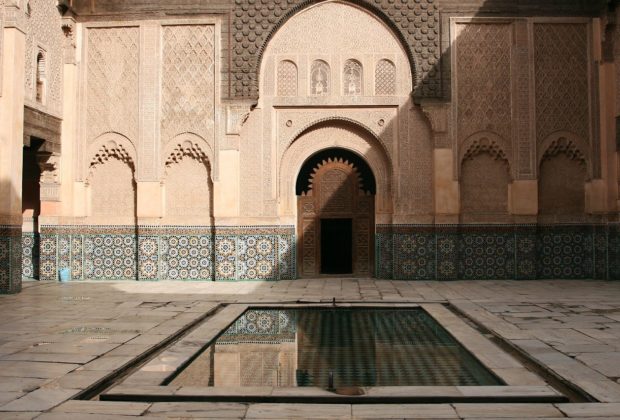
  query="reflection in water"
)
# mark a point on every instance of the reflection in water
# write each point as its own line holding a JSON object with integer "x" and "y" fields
{"x": 359, "y": 347}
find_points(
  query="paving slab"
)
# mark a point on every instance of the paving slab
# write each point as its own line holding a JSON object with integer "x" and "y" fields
{"x": 520, "y": 410}
{"x": 40, "y": 400}
{"x": 101, "y": 407}
{"x": 590, "y": 409}
{"x": 400, "y": 411}
{"x": 299, "y": 411}
{"x": 199, "y": 410}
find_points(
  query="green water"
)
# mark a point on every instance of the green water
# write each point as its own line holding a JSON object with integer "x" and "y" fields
{"x": 355, "y": 347}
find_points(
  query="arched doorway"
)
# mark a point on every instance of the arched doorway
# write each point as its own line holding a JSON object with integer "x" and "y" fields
{"x": 335, "y": 211}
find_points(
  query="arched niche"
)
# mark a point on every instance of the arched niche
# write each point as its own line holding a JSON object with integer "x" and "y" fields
{"x": 188, "y": 184}
{"x": 562, "y": 176}
{"x": 484, "y": 178}
{"x": 110, "y": 181}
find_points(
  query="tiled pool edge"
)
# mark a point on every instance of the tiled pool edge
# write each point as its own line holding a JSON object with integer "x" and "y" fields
{"x": 145, "y": 384}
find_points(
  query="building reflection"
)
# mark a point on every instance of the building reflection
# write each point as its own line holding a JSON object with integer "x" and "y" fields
{"x": 289, "y": 348}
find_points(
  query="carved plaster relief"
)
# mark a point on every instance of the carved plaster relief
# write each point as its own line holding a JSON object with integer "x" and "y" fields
{"x": 112, "y": 89}
{"x": 43, "y": 28}
{"x": 483, "y": 79}
{"x": 416, "y": 23}
{"x": 188, "y": 81}
{"x": 561, "y": 60}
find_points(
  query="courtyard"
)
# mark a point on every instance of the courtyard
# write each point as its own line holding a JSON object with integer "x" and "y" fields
{"x": 63, "y": 345}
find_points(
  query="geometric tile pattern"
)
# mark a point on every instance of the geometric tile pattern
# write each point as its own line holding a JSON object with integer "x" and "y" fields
{"x": 262, "y": 325}
{"x": 614, "y": 251}
{"x": 486, "y": 255}
{"x": 168, "y": 253}
{"x": 30, "y": 255}
{"x": 10, "y": 259}
{"x": 510, "y": 252}
{"x": 565, "y": 252}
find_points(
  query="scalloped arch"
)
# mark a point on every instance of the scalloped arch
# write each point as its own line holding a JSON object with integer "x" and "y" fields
{"x": 485, "y": 142}
{"x": 110, "y": 145}
{"x": 565, "y": 142}
{"x": 188, "y": 144}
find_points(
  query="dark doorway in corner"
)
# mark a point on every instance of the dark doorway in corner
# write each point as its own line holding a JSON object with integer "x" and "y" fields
{"x": 336, "y": 246}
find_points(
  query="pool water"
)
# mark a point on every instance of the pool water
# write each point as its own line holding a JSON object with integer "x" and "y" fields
{"x": 335, "y": 348}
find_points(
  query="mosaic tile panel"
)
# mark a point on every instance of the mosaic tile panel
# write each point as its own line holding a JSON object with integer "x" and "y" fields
{"x": 601, "y": 241}
{"x": 384, "y": 253}
{"x": 447, "y": 252}
{"x": 10, "y": 259}
{"x": 486, "y": 254}
{"x": 182, "y": 257}
{"x": 614, "y": 251}
{"x": 109, "y": 257}
{"x": 415, "y": 255}
{"x": 525, "y": 253}
{"x": 168, "y": 253}
{"x": 30, "y": 255}
{"x": 48, "y": 257}
{"x": 477, "y": 252}
{"x": 565, "y": 252}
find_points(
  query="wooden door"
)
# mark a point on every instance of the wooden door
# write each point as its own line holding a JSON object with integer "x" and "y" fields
{"x": 335, "y": 192}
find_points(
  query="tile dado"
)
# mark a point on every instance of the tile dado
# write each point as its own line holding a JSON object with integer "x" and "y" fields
{"x": 169, "y": 252}
{"x": 10, "y": 259}
{"x": 515, "y": 252}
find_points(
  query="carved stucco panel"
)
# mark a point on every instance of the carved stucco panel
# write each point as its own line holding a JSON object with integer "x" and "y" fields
{"x": 43, "y": 29}
{"x": 483, "y": 79}
{"x": 112, "y": 81}
{"x": 188, "y": 80}
{"x": 561, "y": 63}
{"x": 415, "y": 179}
{"x": 254, "y": 21}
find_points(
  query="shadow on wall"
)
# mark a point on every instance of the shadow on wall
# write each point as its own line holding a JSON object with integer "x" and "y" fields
{"x": 488, "y": 122}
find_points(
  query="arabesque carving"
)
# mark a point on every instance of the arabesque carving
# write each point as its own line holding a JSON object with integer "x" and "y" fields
{"x": 483, "y": 62}
{"x": 561, "y": 62}
{"x": 415, "y": 24}
{"x": 113, "y": 75}
{"x": 188, "y": 80}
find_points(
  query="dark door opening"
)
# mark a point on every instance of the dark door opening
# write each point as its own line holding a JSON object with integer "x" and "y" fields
{"x": 336, "y": 246}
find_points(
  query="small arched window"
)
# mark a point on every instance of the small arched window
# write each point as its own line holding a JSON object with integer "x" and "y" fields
{"x": 287, "y": 78}
{"x": 41, "y": 77}
{"x": 352, "y": 79}
{"x": 319, "y": 78}
{"x": 385, "y": 78}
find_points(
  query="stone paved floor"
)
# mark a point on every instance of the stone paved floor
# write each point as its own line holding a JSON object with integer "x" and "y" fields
{"x": 59, "y": 339}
